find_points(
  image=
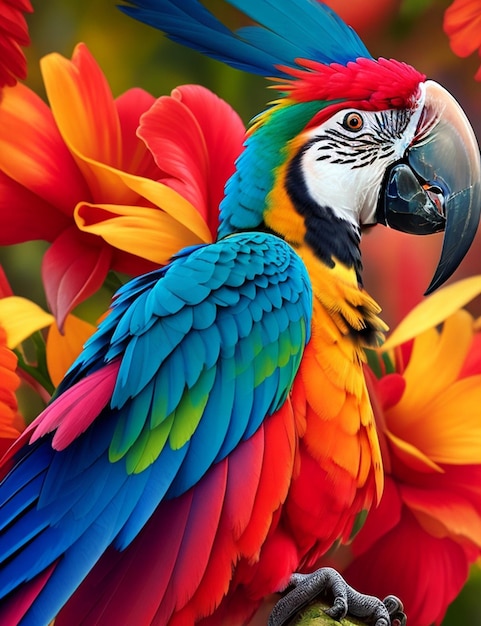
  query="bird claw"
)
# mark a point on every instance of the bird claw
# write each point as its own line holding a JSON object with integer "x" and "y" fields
{"x": 396, "y": 611}
{"x": 305, "y": 588}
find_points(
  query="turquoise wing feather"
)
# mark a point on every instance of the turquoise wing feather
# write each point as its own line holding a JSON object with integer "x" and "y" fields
{"x": 206, "y": 352}
{"x": 189, "y": 362}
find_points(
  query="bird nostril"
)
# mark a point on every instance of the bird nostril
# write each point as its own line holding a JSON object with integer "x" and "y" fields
{"x": 436, "y": 196}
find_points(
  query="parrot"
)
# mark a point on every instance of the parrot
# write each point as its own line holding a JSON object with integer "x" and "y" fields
{"x": 215, "y": 437}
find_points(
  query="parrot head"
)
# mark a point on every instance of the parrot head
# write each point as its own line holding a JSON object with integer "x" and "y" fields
{"x": 350, "y": 142}
{"x": 351, "y": 146}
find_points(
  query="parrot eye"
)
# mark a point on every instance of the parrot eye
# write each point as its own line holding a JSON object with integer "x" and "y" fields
{"x": 353, "y": 121}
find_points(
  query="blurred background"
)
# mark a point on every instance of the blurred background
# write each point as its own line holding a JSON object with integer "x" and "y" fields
{"x": 398, "y": 268}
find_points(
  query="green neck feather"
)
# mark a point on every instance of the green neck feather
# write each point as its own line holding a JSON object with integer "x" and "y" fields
{"x": 265, "y": 150}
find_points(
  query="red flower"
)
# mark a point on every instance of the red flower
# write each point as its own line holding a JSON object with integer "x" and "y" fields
{"x": 78, "y": 176}
{"x": 421, "y": 540}
{"x": 13, "y": 35}
{"x": 462, "y": 24}
{"x": 364, "y": 17}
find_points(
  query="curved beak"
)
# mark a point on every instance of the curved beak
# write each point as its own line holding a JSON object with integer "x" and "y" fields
{"x": 437, "y": 184}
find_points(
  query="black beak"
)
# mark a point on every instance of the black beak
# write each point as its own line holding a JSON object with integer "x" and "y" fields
{"x": 437, "y": 184}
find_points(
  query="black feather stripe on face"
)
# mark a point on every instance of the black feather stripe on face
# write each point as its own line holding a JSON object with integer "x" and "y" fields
{"x": 329, "y": 236}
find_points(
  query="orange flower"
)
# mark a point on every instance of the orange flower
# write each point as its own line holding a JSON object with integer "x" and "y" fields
{"x": 462, "y": 24}
{"x": 13, "y": 35}
{"x": 77, "y": 175}
{"x": 11, "y": 423}
{"x": 420, "y": 541}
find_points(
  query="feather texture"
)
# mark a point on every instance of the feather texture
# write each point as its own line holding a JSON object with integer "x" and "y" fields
{"x": 242, "y": 497}
{"x": 94, "y": 478}
{"x": 215, "y": 434}
{"x": 303, "y": 30}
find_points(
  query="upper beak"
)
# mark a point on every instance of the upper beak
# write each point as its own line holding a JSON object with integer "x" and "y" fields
{"x": 437, "y": 184}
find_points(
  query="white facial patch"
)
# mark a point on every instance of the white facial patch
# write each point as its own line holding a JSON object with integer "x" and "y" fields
{"x": 347, "y": 156}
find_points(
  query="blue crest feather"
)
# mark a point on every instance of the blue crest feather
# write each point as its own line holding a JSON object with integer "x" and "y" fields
{"x": 286, "y": 30}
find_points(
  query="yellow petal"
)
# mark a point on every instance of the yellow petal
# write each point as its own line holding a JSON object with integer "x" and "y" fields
{"x": 434, "y": 310}
{"x": 21, "y": 318}
{"x": 412, "y": 456}
{"x": 87, "y": 118}
{"x": 169, "y": 201}
{"x": 83, "y": 105}
{"x": 451, "y": 430}
{"x": 63, "y": 349}
{"x": 146, "y": 232}
{"x": 434, "y": 365}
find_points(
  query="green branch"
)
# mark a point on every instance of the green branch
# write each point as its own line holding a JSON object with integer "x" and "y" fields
{"x": 314, "y": 615}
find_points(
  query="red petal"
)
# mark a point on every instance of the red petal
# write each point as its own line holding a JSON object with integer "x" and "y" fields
{"x": 195, "y": 137}
{"x": 389, "y": 390}
{"x": 73, "y": 268}
{"x": 13, "y": 34}
{"x": 462, "y": 25}
{"x": 33, "y": 153}
{"x": 136, "y": 157}
{"x": 472, "y": 364}
{"x": 5, "y": 289}
{"x": 427, "y": 573}
{"x": 224, "y": 134}
{"x": 83, "y": 106}
{"x": 24, "y": 216}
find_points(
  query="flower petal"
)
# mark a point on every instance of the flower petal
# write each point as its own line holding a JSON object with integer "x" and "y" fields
{"x": 462, "y": 24}
{"x": 158, "y": 194}
{"x": 143, "y": 231}
{"x": 85, "y": 112}
{"x": 195, "y": 138}
{"x": 136, "y": 157}
{"x": 472, "y": 363}
{"x": 64, "y": 348}
{"x": 224, "y": 134}
{"x": 444, "y": 513}
{"x": 172, "y": 203}
{"x": 434, "y": 310}
{"x": 424, "y": 376}
{"x": 13, "y": 34}
{"x": 438, "y": 568}
{"x": 21, "y": 318}
{"x": 175, "y": 139}
{"x": 73, "y": 268}
{"x": 83, "y": 105}
{"x": 449, "y": 430}
{"x": 5, "y": 289}
{"x": 411, "y": 456}
{"x": 24, "y": 216}
{"x": 389, "y": 389}
{"x": 11, "y": 422}
{"x": 33, "y": 153}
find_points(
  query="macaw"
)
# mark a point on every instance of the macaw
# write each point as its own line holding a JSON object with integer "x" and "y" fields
{"x": 215, "y": 435}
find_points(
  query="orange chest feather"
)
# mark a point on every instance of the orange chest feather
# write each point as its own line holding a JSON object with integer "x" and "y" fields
{"x": 330, "y": 389}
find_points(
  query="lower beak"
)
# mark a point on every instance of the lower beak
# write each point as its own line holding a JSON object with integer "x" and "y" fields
{"x": 437, "y": 184}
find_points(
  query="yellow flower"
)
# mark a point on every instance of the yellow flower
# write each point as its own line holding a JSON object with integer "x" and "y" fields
{"x": 21, "y": 318}
{"x": 421, "y": 540}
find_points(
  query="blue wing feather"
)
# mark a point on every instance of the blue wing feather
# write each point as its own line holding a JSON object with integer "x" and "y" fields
{"x": 203, "y": 361}
{"x": 287, "y": 30}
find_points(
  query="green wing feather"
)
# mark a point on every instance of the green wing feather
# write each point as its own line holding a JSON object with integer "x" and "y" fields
{"x": 209, "y": 347}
